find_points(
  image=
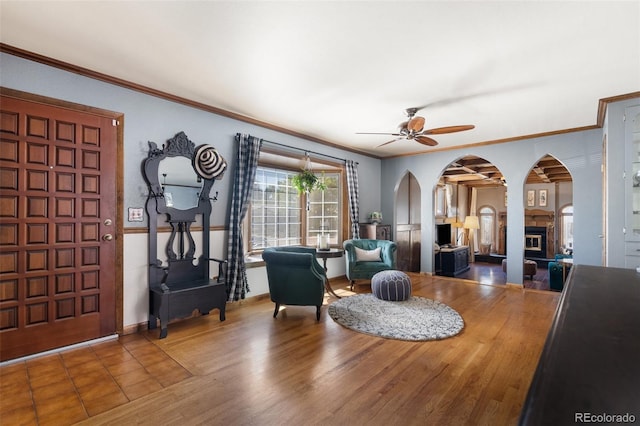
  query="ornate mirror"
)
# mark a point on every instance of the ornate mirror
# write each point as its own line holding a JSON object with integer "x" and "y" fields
{"x": 180, "y": 176}
{"x": 181, "y": 186}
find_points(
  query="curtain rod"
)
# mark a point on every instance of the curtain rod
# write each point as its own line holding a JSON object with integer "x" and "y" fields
{"x": 306, "y": 151}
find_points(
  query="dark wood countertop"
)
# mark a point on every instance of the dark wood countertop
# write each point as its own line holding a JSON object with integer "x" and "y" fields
{"x": 591, "y": 359}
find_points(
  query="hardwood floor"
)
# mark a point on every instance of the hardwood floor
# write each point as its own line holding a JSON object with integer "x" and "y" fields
{"x": 256, "y": 370}
{"x": 492, "y": 274}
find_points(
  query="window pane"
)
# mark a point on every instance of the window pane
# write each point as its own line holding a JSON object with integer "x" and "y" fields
{"x": 325, "y": 213}
{"x": 315, "y": 196}
{"x": 277, "y": 211}
{"x": 487, "y": 226}
{"x": 315, "y": 210}
{"x": 566, "y": 236}
{"x": 293, "y": 215}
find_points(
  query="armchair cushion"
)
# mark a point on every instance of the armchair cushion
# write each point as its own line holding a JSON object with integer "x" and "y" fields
{"x": 368, "y": 255}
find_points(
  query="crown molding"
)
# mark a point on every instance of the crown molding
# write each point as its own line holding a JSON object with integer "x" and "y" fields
{"x": 45, "y": 60}
{"x": 604, "y": 103}
{"x": 5, "y": 48}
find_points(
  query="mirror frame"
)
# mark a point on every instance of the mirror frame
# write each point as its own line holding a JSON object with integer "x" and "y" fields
{"x": 178, "y": 146}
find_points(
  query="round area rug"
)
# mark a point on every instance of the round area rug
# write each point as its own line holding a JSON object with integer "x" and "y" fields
{"x": 416, "y": 318}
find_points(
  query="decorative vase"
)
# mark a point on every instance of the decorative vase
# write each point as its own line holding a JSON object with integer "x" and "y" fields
{"x": 323, "y": 242}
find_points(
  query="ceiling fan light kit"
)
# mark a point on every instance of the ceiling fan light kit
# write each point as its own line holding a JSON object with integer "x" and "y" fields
{"x": 413, "y": 129}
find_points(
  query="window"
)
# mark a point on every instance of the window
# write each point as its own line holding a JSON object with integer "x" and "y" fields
{"x": 566, "y": 227}
{"x": 278, "y": 215}
{"x": 441, "y": 201}
{"x": 487, "y": 225}
{"x": 324, "y": 213}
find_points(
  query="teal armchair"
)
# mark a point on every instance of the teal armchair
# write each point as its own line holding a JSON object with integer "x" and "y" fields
{"x": 556, "y": 278}
{"x": 295, "y": 277}
{"x": 358, "y": 268}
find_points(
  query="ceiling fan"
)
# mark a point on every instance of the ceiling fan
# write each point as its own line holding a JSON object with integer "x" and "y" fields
{"x": 413, "y": 129}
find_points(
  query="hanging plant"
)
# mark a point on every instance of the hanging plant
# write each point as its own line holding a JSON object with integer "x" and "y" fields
{"x": 306, "y": 181}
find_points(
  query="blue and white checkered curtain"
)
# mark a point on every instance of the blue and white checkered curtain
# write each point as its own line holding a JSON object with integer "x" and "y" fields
{"x": 354, "y": 198}
{"x": 245, "y": 173}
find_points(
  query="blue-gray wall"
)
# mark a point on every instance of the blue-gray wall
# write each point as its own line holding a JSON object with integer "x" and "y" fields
{"x": 148, "y": 118}
{"x": 581, "y": 153}
{"x": 616, "y": 163}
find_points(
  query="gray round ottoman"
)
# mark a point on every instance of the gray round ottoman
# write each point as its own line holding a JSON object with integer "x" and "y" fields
{"x": 391, "y": 285}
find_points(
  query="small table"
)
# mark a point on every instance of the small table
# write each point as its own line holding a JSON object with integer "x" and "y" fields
{"x": 324, "y": 255}
{"x": 564, "y": 262}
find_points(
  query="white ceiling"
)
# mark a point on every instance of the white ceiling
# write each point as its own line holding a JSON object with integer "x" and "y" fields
{"x": 330, "y": 69}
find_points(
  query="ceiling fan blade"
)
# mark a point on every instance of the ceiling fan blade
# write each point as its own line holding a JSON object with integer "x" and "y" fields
{"x": 426, "y": 141}
{"x": 448, "y": 129}
{"x": 416, "y": 124}
{"x": 390, "y": 134}
{"x": 392, "y": 140}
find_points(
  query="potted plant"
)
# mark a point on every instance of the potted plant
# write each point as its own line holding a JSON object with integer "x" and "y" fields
{"x": 307, "y": 181}
{"x": 375, "y": 217}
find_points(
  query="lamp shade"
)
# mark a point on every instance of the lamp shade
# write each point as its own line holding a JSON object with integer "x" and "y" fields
{"x": 471, "y": 222}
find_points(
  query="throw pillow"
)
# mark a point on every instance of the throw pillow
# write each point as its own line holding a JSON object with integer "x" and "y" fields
{"x": 368, "y": 255}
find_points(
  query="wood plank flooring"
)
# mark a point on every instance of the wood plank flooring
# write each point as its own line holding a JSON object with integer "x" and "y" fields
{"x": 256, "y": 370}
{"x": 491, "y": 273}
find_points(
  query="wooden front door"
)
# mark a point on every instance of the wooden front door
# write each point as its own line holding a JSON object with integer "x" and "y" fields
{"x": 58, "y": 226}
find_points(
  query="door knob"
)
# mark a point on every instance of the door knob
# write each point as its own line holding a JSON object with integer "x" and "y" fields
{"x": 107, "y": 237}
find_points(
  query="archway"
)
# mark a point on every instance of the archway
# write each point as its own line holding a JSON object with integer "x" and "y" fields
{"x": 408, "y": 224}
{"x": 473, "y": 187}
{"x": 548, "y": 218}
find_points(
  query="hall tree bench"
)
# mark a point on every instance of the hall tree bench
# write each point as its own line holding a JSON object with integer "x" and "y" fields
{"x": 180, "y": 177}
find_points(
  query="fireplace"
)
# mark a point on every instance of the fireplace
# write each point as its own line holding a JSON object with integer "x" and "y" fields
{"x": 535, "y": 241}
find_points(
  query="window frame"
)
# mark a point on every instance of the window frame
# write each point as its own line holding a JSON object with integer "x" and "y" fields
{"x": 332, "y": 167}
{"x": 493, "y": 216}
{"x": 562, "y": 215}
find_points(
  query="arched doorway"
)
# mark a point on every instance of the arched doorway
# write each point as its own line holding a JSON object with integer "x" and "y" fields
{"x": 471, "y": 196}
{"x": 548, "y": 217}
{"x": 408, "y": 224}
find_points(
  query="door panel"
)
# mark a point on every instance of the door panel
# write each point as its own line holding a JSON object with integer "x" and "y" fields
{"x": 57, "y": 203}
{"x": 408, "y": 227}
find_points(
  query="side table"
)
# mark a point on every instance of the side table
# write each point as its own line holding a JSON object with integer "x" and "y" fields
{"x": 324, "y": 255}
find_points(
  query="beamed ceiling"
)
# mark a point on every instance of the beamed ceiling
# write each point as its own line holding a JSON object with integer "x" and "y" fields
{"x": 478, "y": 172}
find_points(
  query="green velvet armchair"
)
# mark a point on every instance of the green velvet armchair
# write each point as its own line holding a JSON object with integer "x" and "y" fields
{"x": 362, "y": 261}
{"x": 556, "y": 274}
{"x": 295, "y": 277}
